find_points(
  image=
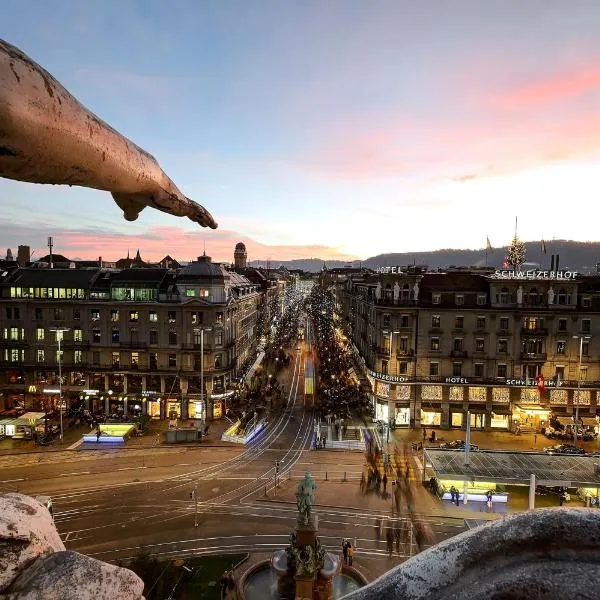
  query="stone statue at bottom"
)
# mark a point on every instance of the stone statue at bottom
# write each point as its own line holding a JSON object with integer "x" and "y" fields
{"x": 305, "y": 496}
{"x": 308, "y": 559}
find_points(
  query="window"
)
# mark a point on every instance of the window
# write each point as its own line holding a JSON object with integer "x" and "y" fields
{"x": 481, "y": 299}
{"x": 153, "y": 316}
{"x": 172, "y": 316}
{"x": 459, "y": 299}
{"x": 39, "y": 314}
{"x": 434, "y": 369}
{"x": 585, "y": 348}
{"x": 115, "y": 335}
{"x": 436, "y": 321}
{"x": 172, "y": 360}
{"x": 95, "y": 315}
{"x": 436, "y": 298}
{"x": 114, "y": 315}
{"x": 480, "y": 323}
{"x": 135, "y": 360}
{"x": 562, "y": 297}
{"x": 116, "y": 360}
{"x": 96, "y": 336}
{"x": 503, "y": 297}
{"x": 134, "y": 316}
{"x": 40, "y": 355}
{"x": 59, "y": 314}
{"x": 172, "y": 338}
{"x": 218, "y": 337}
{"x": 95, "y": 357}
{"x": 12, "y": 312}
{"x": 504, "y": 323}
{"x": 562, "y": 325}
{"x": 586, "y": 302}
{"x": 456, "y": 369}
{"x": 40, "y": 334}
{"x": 384, "y": 367}
{"x": 59, "y": 355}
{"x": 403, "y": 344}
{"x": 77, "y": 356}
{"x": 404, "y": 321}
{"x": 218, "y": 361}
{"x": 219, "y": 318}
{"x": 386, "y": 320}
{"x": 559, "y": 372}
{"x": 197, "y": 318}
{"x": 153, "y": 337}
{"x": 459, "y": 322}
{"x": 479, "y": 345}
{"x": 583, "y": 373}
{"x": 561, "y": 347}
{"x": 586, "y": 325}
{"x": 457, "y": 345}
{"x": 503, "y": 346}
{"x": 76, "y": 314}
{"x": 153, "y": 360}
{"x": 434, "y": 344}
{"x": 501, "y": 371}
{"x": 77, "y": 335}
{"x": 190, "y": 292}
{"x": 403, "y": 368}
{"x": 478, "y": 370}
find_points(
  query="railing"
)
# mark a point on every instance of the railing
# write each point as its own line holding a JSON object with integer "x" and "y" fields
{"x": 534, "y": 331}
{"x": 534, "y": 356}
{"x": 134, "y": 345}
{"x": 459, "y": 353}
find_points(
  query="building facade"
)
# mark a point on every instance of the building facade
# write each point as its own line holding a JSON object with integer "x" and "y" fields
{"x": 509, "y": 348}
{"x": 137, "y": 340}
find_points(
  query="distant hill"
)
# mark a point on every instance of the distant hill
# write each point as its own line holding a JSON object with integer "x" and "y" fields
{"x": 579, "y": 256}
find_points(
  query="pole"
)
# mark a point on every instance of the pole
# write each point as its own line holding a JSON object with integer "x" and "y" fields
{"x": 59, "y": 338}
{"x": 468, "y": 439}
{"x": 532, "y": 492}
{"x": 578, "y": 390}
{"x": 196, "y": 504}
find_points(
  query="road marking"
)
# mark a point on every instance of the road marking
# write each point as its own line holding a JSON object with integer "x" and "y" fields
{"x": 130, "y": 468}
{"x": 11, "y": 480}
{"x": 78, "y": 473}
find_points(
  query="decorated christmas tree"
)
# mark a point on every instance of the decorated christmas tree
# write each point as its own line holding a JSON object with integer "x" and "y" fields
{"x": 515, "y": 253}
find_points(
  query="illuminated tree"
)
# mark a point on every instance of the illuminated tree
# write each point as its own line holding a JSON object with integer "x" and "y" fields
{"x": 515, "y": 253}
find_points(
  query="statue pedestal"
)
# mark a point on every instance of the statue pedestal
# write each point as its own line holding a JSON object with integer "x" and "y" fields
{"x": 304, "y": 588}
{"x": 306, "y": 533}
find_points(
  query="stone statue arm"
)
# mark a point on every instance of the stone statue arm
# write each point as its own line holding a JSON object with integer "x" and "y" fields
{"x": 48, "y": 136}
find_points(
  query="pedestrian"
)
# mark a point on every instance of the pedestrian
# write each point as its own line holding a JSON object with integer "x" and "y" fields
{"x": 535, "y": 438}
{"x": 377, "y": 528}
{"x": 363, "y": 483}
{"x": 452, "y": 493}
{"x": 489, "y": 499}
{"x": 350, "y": 553}
{"x": 345, "y": 551}
{"x": 389, "y": 541}
{"x": 384, "y": 480}
{"x": 424, "y": 434}
{"x": 98, "y": 433}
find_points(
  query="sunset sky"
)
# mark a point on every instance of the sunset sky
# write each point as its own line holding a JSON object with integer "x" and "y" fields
{"x": 330, "y": 129}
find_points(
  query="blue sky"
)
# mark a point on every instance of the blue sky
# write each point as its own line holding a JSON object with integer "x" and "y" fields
{"x": 325, "y": 129}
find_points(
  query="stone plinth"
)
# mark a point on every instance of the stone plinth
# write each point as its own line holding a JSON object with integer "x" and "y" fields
{"x": 306, "y": 533}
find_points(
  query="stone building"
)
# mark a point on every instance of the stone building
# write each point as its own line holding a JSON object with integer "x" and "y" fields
{"x": 134, "y": 337}
{"x": 512, "y": 348}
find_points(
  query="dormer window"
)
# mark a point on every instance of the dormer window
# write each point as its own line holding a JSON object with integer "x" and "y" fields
{"x": 436, "y": 298}
{"x": 459, "y": 299}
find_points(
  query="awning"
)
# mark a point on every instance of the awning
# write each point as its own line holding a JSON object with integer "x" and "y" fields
{"x": 254, "y": 366}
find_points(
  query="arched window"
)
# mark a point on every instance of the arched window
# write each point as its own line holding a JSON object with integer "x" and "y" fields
{"x": 502, "y": 297}
{"x": 562, "y": 297}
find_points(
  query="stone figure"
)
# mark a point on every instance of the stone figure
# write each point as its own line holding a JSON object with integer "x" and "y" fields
{"x": 550, "y": 296}
{"x": 396, "y": 292}
{"x": 47, "y": 136}
{"x": 416, "y": 291}
{"x": 378, "y": 291}
{"x": 520, "y": 295}
{"x": 305, "y": 496}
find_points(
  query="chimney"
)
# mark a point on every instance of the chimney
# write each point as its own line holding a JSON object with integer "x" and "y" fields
{"x": 552, "y": 263}
{"x": 100, "y": 261}
{"x": 556, "y": 265}
{"x": 23, "y": 255}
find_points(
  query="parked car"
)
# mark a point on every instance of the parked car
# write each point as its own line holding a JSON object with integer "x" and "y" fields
{"x": 458, "y": 445}
{"x": 564, "y": 449}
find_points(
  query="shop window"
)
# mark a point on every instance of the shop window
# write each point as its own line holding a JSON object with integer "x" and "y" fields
{"x": 434, "y": 369}
{"x": 480, "y": 323}
{"x": 39, "y": 314}
{"x": 114, "y": 315}
{"x": 456, "y": 369}
{"x": 562, "y": 325}
{"x": 403, "y": 368}
{"x": 459, "y": 322}
{"x": 76, "y": 314}
{"x": 115, "y": 335}
{"x": 95, "y": 315}
{"x": 586, "y": 325}
{"x": 479, "y": 345}
{"x": 153, "y": 316}
{"x": 172, "y": 316}
{"x": 116, "y": 360}
{"x": 384, "y": 367}
{"x": 502, "y": 346}
{"x": 172, "y": 360}
{"x": 436, "y": 298}
{"x": 436, "y": 321}
{"x": 96, "y": 337}
{"x": 77, "y": 356}
{"x": 434, "y": 344}
{"x": 40, "y": 334}
{"x": 172, "y": 338}
{"x": 504, "y": 324}
{"x": 153, "y": 338}
{"x": 478, "y": 370}
{"x": 501, "y": 371}
{"x": 40, "y": 355}
{"x": 457, "y": 419}
{"x": 59, "y": 314}
{"x": 561, "y": 347}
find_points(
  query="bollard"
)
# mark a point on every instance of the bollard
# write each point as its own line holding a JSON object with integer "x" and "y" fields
{"x": 325, "y": 475}
{"x": 345, "y": 476}
{"x": 266, "y": 490}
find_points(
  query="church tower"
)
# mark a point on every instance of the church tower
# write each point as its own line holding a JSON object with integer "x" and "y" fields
{"x": 240, "y": 256}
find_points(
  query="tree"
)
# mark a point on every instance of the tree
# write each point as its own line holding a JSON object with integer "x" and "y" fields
{"x": 515, "y": 253}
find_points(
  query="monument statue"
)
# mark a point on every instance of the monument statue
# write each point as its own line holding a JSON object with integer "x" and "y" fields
{"x": 48, "y": 136}
{"x": 520, "y": 295}
{"x": 396, "y": 292}
{"x": 305, "y": 496}
{"x": 416, "y": 291}
{"x": 378, "y": 291}
{"x": 550, "y": 296}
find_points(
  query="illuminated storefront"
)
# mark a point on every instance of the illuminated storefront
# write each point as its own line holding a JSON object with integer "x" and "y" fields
{"x": 500, "y": 421}
{"x": 381, "y": 411}
{"x": 173, "y": 408}
{"x": 402, "y": 416}
{"x": 153, "y": 408}
{"x": 196, "y": 409}
{"x": 456, "y": 419}
{"x": 217, "y": 409}
{"x": 431, "y": 418}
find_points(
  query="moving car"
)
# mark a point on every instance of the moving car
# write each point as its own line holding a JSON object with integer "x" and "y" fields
{"x": 458, "y": 445}
{"x": 564, "y": 449}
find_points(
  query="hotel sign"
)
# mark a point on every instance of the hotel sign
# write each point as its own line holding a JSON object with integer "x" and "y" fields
{"x": 535, "y": 274}
{"x": 533, "y": 383}
{"x": 394, "y": 270}
{"x": 390, "y": 378}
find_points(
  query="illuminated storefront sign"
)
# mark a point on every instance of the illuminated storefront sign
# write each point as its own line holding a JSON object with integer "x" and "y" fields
{"x": 217, "y": 410}
{"x": 390, "y": 378}
{"x": 535, "y": 274}
{"x": 533, "y": 383}
{"x": 395, "y": 270}
{"x": 456, "y": 380}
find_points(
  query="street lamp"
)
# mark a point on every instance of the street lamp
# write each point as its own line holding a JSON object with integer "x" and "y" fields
{"x": 59, "y": 336}
{"x": 581, "y": 339}
{"x": 201, "y": 331}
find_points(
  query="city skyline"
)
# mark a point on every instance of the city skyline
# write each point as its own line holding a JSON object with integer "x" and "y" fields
{"x": 337, "y": 132}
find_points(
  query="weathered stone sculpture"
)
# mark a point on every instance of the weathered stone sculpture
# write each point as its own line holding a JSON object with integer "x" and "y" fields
{"x": 47, "y": 136}
{"x": 546, "y": 554}
{"x": 34, "y": 564}
{"x": 305, "y": 497}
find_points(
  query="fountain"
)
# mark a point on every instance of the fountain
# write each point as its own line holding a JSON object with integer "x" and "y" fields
{"x": 304, "y": 570}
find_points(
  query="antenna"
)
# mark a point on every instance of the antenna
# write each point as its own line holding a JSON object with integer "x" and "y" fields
{"x": 204, "y": 247}
{"x": 516, "y": 226}
{"x": 50, "y": 244}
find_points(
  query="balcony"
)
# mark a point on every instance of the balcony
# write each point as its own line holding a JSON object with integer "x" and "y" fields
{"x": 73, "y": 345}
{"x": 435, "y": 330}
{"x": 533, "y": 356}
{"x": 381, "y": 351}
{"x": 134, "y": 345}
{"x": 534, "y": 331}
{"x": 408, "y": 353}
{"x": 459, "y": 353}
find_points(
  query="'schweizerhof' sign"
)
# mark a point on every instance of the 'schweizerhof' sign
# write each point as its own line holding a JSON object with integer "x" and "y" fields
{"x": 533, "y": 382}
{"x": 396, "y": 270}
{"x": 391, "y": 378}
{"x": 535, "y": 274}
